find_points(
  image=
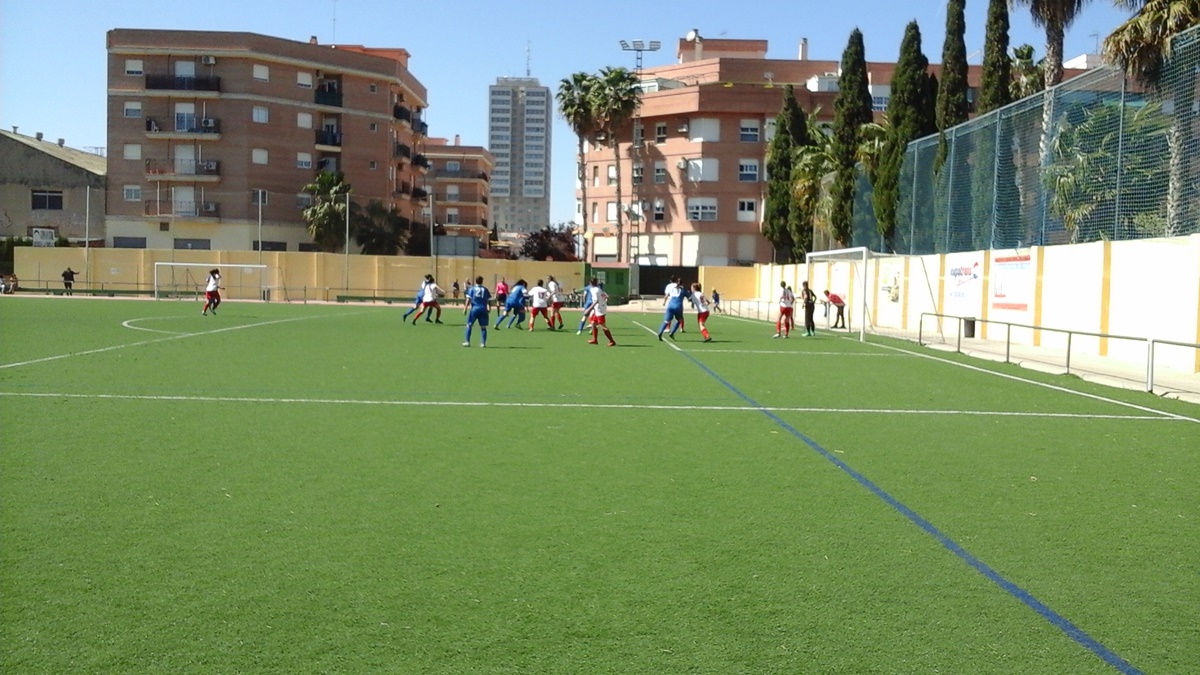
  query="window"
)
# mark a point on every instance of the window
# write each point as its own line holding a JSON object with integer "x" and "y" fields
{"x": 259, "y": 197}
{"x": 748, "y": 131}
{"x": 134, "y": 67}
{"x": 258, "y": 156}
{"x": 133, "y": 193}
{"x": 702, "y": 208}
{"x": 131, "y": 151}
{"x": 129, "y": 242}
{"x": 46, "y": 200}
{"x": 637, "y": 174}
{"x": 612, "y": 174}
{"x": 304, "y": 80}
{"x": 262, "y": 73}
{"x": 133, "y": 108}
{"x": 452, "y": 216}
{"x": 373, "y": 126}
{"x": 880, "y": 103}
{"x": 303, "y": 160}
{"x": 453, "y": 165}
{"x": 270, "y": 245}
{"x": 748, "y": 170}
{"x": 660, "y": 172}
{"x": 373, "y": 88}
{"x": 594, "y": 207}
{"x": 303, "y": 200}
{"x": 660, "y": 132}
{"x": 610, "y": 211}
{"x": 260, "y": 114}
{"x": 304, "y": 120}
{"x": 193, "y": 244}
{"x": 639, "y": 133}
{"x": 660, "y": 210}
{"x": 747, "y": 210}
{"x": 371, "y": 165}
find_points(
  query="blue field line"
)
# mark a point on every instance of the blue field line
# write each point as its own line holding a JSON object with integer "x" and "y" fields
{"x": 1062, "y": 623}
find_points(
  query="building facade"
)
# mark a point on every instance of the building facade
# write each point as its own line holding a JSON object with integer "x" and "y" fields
{"x": 47, "y": 185}
{"x": 520, "y": 115}
{"x": 458, "y": 185}
{"x": 212, "y": 136}
{"x": 693, "y": 161}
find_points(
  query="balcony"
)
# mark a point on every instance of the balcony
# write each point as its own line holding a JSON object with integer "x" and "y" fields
{"x": 182, "y": 169}
{"x": 403, "y": 189}
{"x": 329, "y": 137}
{"x": 420, "y": 194}
{"x": 401, "y": 151}
{"x": 461, "y": 174}
{"x": 176, "y": 83}
{"x": 328, "y": 94}
{"x": 186, "y": 126}
{"x": 420, "y": 128}
{"x": 401, "y": 113}
{"x": 421, "y": 162}
{"x": 187, "y": 209}
{"x": 461, "y": 198}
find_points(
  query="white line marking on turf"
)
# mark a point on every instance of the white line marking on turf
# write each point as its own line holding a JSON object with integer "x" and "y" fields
{"x": 793, "y": 353}
{"x": 1055, "y": 387}
{"x": 601, "y": 406}
{"x": 150, "y": 342}
{"x": 652, "y": 332}
{"x": 130, "y": 322}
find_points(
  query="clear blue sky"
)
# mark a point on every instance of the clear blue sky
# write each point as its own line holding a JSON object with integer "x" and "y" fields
{"x": 52, "y": 54}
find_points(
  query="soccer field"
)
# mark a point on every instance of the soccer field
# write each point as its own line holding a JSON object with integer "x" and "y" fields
{"x": 319, "y": 488}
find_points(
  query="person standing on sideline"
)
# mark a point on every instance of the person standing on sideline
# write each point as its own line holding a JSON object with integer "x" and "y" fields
{"x": 599, "y": 311}
{"x": 589, "y": 300}
{"x": 515, "y": 305}
{"x": 840, "y": 304}
{"x": 212, "y": 292}
{"x": 477, "y": 300}
{"x": 674, "y": 310}
{"x": 810, "y": 306}
{"x": 501, "y": 294}
{"x": 716, "y": 301}
{"x": 787, "y": 301}
{"x": 454, "y": 288}
{"x": 556, "y": 302}
{"x": 419, "y": 298}
{"x": 429, "y": 300}
{"x": 539, "y": 303}
{"x": 701, "y": 304}
{"x": 69, "y": 281}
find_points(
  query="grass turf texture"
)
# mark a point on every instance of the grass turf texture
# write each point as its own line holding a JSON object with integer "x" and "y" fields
{"x": 219, "y": 518}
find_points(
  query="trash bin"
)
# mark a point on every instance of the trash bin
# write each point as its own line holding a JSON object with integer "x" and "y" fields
{"x": 969, "y": 327}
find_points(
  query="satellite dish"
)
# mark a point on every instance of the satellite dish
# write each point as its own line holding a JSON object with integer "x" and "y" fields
{"x": 692, "y": 35}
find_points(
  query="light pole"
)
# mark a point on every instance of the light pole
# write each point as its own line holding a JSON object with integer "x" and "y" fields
{"x": 638, "y": 47}
{"x": 258, "y": 197}
{"x": 347, "y": 245}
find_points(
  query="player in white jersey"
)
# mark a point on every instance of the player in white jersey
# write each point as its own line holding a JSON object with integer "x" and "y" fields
{"x": 556, "y": 302}
{"x": 429, "y": 299}
{"x": 212, "y": 292}
{"x": 539, "y": 303}
{"x": 787, "y": 300}
{"x": 599, "y": 312}
{"x": 701, "y": 304}
{"x": 589, "y": 299}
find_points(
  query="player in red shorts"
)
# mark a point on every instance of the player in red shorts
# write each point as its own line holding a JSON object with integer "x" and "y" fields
{"x": 429, "y": 299}
{"x": 787, "y": 301}
{"x": 539, "y": 302}
{"x": 212, "y": 292}
{"x": 556, "y": 302}
{"x": 598, "y": 311}
{"x": 701, "y": 304}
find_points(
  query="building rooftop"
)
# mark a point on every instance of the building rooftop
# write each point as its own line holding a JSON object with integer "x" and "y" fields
{"x": 87, "y": 161}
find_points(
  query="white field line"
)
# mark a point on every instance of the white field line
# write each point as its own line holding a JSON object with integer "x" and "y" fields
{"x": 793, "y": 353}
{"x": 155, "y": 340}
{"x": 1044, "y": 385}
{"x": 130, "y": 322}
{"x": 596, "y": 406}
{"x": 655, "y": 333}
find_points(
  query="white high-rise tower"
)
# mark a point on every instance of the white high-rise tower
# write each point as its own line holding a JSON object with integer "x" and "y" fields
{"x": 520, "y": 114}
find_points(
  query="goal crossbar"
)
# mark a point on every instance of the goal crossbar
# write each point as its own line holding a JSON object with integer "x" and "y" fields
{"x": 858, "y": 255}
{"x": 158, "y": 265}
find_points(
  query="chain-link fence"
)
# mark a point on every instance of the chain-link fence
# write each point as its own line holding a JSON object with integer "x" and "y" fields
{"x": 1100, "y": 156}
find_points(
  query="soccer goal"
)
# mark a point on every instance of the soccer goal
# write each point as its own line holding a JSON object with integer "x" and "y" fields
{"x": 847, "y": 273}
{"x": 187, "y": 280}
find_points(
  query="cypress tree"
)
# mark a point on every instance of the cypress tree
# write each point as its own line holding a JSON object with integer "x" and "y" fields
{"x": 952, "y": 89}
{"x": 997, "y": 220}
{"x": 851, "y": 110}
{"x": 800, "y": 216}
{"x": 777, "y": 210}
{"x": 995, "y": 88}
{"x": 908, "y": 111}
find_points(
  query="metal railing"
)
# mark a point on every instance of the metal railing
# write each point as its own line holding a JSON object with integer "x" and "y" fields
{"x": 183, "y": 167}
{"x": 966, "y": 324}
{"x": 183, "y": 83}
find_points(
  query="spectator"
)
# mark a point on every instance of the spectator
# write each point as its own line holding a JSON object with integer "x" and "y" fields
{"x": 68, "y": 277}
{"x": 837, "y": 301}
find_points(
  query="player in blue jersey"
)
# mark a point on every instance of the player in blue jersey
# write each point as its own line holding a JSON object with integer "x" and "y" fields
{"x": 420, "y": 296}
{"x": 514, "y": 307}
{"x": 476, "y": 308}
{"x": 674, "y": 312}
{"x": 589, "y": 301}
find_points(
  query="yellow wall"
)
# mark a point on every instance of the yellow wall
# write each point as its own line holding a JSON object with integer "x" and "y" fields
{"x": 732, "y": 282}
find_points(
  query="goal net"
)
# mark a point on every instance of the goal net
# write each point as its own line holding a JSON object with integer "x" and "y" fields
{"x": 854, "y": 275}
{"x": 187, "y": 280}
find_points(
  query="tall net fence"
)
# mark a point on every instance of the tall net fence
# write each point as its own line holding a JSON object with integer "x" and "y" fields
{"x": 1100, "y": 156}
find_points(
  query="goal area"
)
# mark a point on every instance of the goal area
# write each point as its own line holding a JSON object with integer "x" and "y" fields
{"x": 848, "y": 272}
{"x": 187, "y": 280}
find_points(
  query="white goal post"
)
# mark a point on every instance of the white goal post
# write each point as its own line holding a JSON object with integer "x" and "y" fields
{"x": 857, "y": 296}
{"x": 183, "y": 279}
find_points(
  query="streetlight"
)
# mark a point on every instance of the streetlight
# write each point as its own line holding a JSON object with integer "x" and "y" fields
{"x": 638, "y": 47}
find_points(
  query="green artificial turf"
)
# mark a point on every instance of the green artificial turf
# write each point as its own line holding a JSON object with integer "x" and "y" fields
{"x": 295, "y": 489}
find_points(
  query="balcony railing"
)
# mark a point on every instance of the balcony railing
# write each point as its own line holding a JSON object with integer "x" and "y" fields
{"x": 328, "y": 96}
{"x": 191, "y": 209}
{"x": 420, "y": 194}
{"x": 184, "y": 167}
{"x": 401, "y": 113}
{"x": 462, "y": 173}
{"x": 401, "y": 151}
{"x": 403, "y": 189}
{"x": 329, "y": 137}
{"x": 186, "y": 123}
{"x": 420, "y": 161}
{"x": 178, "y": 83}
{"x": 464, "y": 198}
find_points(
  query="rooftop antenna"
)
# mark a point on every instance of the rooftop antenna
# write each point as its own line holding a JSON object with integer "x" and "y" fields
{"x": 333, "y": 39}
{"x": 1096, "y": 37}
{"x": 528, "y": 48}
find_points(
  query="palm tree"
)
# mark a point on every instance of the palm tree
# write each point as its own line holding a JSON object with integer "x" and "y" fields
{"x": 326, "y": 215}
{"x": 378, "y": 229}
{"x": 1055, "y": 16}
{"x": 1143, "y": 43}
{"x": 1027, "y": 75}
{"x": 575, "y": 105}
{"x": 615, "y": 100}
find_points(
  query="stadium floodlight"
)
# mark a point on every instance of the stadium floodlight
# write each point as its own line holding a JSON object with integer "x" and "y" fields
{"x": 180, "y": 279}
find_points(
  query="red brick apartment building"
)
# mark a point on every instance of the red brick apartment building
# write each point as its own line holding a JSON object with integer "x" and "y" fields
{"x": 206, "y": 127}
{"x": 460, "y": 176}
{"x": 695, "y": 157}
